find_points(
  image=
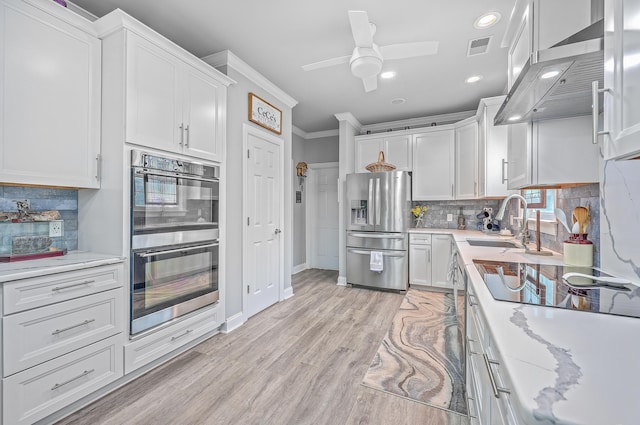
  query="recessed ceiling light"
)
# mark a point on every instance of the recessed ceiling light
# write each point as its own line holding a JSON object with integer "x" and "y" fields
{"x": 550, "y": 74}
{"x": 515, "y": 117}
{"x": 398, "y": 101}
{"x": 474, "y": 79}
{"x": 388, "y": 74}
{"x": 487, "y": 20}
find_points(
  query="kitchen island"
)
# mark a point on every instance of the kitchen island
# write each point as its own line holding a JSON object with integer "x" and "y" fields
{"x": 559, "y": 366}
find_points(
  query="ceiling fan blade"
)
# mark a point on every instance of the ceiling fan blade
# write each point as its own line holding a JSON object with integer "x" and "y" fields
{"x": 360, "y": 28}
{"x": 409, "y": 50}
{"x": 326, "y": 63}
{"x": 370, "y": 83}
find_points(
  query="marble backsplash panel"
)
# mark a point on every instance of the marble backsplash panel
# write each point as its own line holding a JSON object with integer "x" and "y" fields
{"x": 620, "y": 218}
{"x": 63, "y": 200}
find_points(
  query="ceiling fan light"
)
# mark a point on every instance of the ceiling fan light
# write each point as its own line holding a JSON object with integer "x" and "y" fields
{"x": 366, "y": 62}
{"x": 388, "y": 74}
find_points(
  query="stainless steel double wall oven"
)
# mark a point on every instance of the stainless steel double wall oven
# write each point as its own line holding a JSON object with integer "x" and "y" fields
{"x": 174, "y": 238}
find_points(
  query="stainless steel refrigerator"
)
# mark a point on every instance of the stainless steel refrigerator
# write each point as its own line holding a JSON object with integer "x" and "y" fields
{"x": 377, "y": 242}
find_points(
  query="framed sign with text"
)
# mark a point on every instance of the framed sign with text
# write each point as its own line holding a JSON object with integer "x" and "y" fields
{"x": 265, "y": 114}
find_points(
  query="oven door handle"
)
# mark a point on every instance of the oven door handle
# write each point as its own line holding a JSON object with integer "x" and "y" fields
{"x": 175, "y": 175}
{"x": 171, "y": 251}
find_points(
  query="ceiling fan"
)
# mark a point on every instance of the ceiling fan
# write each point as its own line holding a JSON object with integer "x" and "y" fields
{"x": 367, "y": 57}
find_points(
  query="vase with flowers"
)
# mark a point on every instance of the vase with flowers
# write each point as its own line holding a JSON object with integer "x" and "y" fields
{"x": 418, "y": 212}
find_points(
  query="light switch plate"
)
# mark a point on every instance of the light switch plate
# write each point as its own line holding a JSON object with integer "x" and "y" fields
{"x": 449, "y": 217}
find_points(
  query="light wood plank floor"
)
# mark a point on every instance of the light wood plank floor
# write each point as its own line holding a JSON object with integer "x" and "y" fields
{"x": 301, "y": 361}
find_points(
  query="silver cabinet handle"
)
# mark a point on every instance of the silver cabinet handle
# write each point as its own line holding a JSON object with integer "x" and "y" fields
{"x": 504, "y": 178}
{"x": 68, "y": 381}
{"x": 429, "y": 255}
{"x": 494, "y": 387}
{"x": 186, "y": 138}
{"x": 98, "y": 166}
{"x": 61, "y": 288}
{"x": 595, "y": 92}
{"x": 452, "y": 193}
{"x": 475, "y": 188}
{"x": 181, "y": 127}
{"x": 59, "y": 331}
{"x": 187, "y": 332}
{"x": 474, "y": 410}
{"x": 471, "y": 300}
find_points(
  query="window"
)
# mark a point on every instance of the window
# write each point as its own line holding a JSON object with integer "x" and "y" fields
{"x": 543, "y": 200}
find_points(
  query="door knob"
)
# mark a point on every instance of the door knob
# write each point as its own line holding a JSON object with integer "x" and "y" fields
{"x": 278, "y": 231}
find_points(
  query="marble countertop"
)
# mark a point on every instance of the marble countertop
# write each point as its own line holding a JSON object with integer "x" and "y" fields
{"x": 74, "y": 260}
{"x": 565, "y": 367}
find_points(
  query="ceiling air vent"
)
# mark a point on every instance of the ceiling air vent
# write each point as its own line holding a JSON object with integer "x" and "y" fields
{"x": 478, "y": 46}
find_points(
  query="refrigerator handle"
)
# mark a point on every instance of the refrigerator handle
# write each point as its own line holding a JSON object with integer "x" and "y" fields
{"x": 370, "y": 204}
{"x": 377, "y": 202}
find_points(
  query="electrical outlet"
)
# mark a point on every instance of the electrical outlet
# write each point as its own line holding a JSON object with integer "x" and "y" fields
{"x": 449, "y": 217}
{"x": 55, "y": 228}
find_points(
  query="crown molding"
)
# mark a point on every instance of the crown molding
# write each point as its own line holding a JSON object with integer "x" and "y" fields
{"x": 348, "y": 117}
{"x": 442, "y": 119}
{"x": 228, "y": 58}
{"x": 316, "y": 134}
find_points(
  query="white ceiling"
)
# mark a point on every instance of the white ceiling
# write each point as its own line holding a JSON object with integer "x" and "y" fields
{"x": 277, "y": 37}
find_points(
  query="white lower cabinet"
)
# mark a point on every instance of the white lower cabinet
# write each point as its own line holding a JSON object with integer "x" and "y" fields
{"x": 488, "y": 387}
{"x": 62, "y": 339}
{"x": 151, "y": 347}
{"x": 430, "y": 260}
{"x": 37, "y": 392}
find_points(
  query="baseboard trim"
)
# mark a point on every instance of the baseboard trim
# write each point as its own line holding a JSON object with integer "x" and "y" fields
{"x": 233, "y": 323}
{"x": 299, "y": 268}
{"x": 288, "y": 292}
{"x": 342, "y": 281}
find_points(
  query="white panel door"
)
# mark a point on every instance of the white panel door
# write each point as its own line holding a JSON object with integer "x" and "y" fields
{"x": 442, "y": 251}
{"x": 154, "y": 100}
{"x": 398, "y": 152}
{"x": 467, "y": 161}
{"x": 519, "y": 153}
{"x": 264, "y": 199}
{"x": 367, "y": 150}
{"x": 324, "y": 228}
{"x": 433, "y": 165}
{"x": 622, "y": 77}
{"x": 201, "y": 115}
{"x": 50, "y": 76}
{"x": 419, "y": 264}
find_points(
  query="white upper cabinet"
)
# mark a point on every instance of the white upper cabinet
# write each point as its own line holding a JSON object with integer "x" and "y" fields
{"x": 433, "y": 164}
{"x": 538, "y": 25}
{"x": 172, "y": 105}
{"x": 552, "y": 152}
{"x": 492, "y": 151}
{"x": 466, "y": 163}
{"x": 397, "y": 151}
{"x": 622, "y": 79}
{"x": 50, "y": 68}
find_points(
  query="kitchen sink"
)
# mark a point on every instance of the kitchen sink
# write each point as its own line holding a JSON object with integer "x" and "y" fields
{"x": 493, "y": 243}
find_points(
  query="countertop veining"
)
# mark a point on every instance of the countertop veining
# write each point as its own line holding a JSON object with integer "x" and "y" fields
{"x": 564, "y": 366}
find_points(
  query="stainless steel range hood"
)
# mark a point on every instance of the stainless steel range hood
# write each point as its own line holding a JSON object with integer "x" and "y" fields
{"x": 579, "y": 60}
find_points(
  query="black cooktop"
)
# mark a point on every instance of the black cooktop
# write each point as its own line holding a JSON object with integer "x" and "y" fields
{"x": 566, "y": 287}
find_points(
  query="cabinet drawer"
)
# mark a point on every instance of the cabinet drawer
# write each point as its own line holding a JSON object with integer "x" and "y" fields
{"x": 44, "y": 389}
{"x": 155, "y": 345}
{"x": 25, "y": 294}
{"x": 418, "y": 239}
{"x": 38, "y": 335}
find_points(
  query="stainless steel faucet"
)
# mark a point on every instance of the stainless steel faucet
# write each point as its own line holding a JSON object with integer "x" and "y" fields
{"x": 524, "y": 226}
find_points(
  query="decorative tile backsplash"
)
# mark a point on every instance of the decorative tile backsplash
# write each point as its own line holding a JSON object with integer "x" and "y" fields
{"x": 567, "y": 199}
{"x": 436, "y": 215}
{"x": 41, "y": 199}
